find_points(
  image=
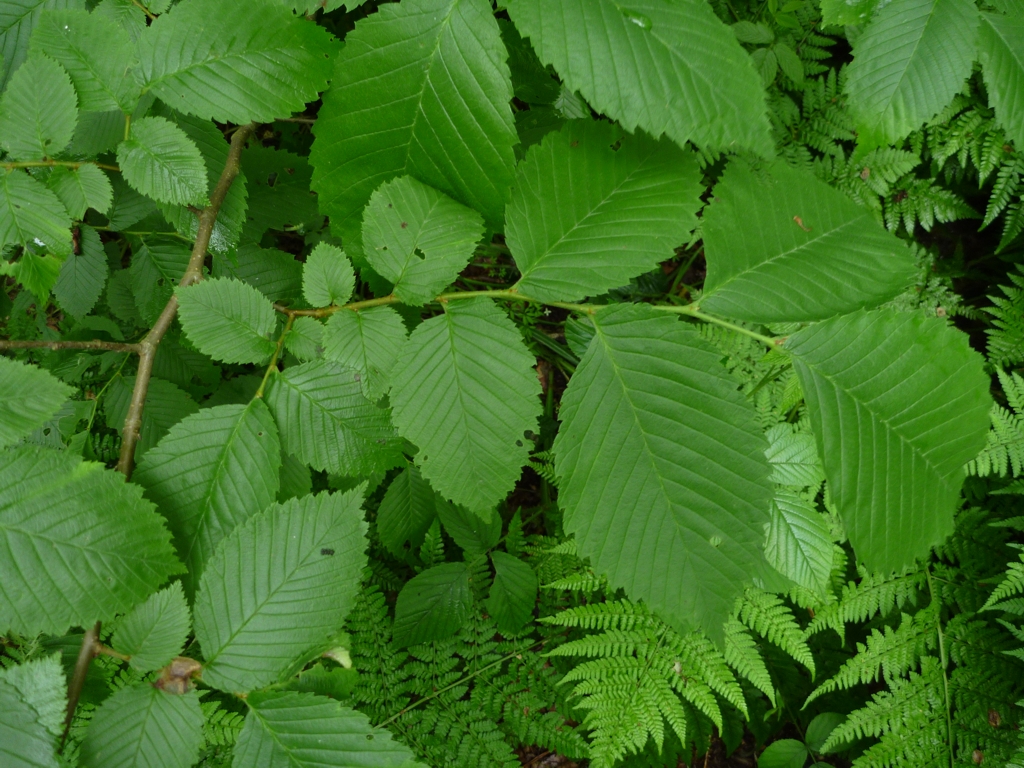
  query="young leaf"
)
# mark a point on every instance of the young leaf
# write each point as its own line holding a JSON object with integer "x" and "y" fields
{"x": 38, "y": 111}
{"x": 302, "y": 730}
{"x": 912, "y": 58}
{"x": 141, "y": 726}
{"x": 513, "y": 593}
{"x": 650, "y": 388}
{"x": 327, "y": 276}
{"x": 96, "y": 52}
{"x": 156, "y": 630}
{"x": 24, "y": 741}
{"x": 212, "y": 471}
{"x": 42, "y": 685}
{"x": 327, "y": 423}
{"x": 689, "y": 78}
{"x": 799, "y": 545}
{"x": 474, "y": 532}
{"x": 268, "y": 66}
{"x": 593, "y": 207}
{"x": 163, "y": 163}
{"x": 80, "y": 544}
{"x": 81, "y": 188}
{"x": 405, "y": 512}
{"x": 30, "y": 213}
{"x": 899, "y": 403}
{"x": 367, "y": 341}
{"x": 418, "y": 238}
{"x": 31, "y": 397}
{"x": 788, "y": 247}
{"x": 37, "y": 274}
{"x": 278, "y": 585}
{"x": 465, "y": 392}
{"x": 784, "y": 753}
{"x": 433, "y": 605}
{"x": 1002, "y": 59}
{"x": 421, "y": 88}
{"x": 227, "y": 320}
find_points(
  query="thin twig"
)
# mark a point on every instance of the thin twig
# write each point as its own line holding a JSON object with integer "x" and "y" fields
{"x": 85, "y": 656}
{"x": 61, "y": 163}
{"x": 193, "y": 274}
{"x": 303, "y": 120}
{"x": 53, "y": 346}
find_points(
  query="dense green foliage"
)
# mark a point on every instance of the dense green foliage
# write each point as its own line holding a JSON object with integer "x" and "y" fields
{"x": 448, "y": 383}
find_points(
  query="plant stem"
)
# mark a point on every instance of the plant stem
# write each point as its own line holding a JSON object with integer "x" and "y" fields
{"x": 944, "y": 662}
{"x": 513, "y": 295}
{"x": 277, "y": 353}
{"x": 53, "y": 346}
{"x": 61, "y": 163}
{"x": 85, "y": 656}
{"x": 193, "y": 274}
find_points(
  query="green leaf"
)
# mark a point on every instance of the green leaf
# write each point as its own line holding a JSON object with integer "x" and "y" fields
{"x": 228, "y": 320}
{"x": 593, "y": 207}
{"x": 899, "y": 403}
{"x": 405, "y": 512}
{"x": 24, "y": 741}
{"x": 787, "y": 247}
{"x": 513, "y": 593}
{"x": 1002, "y": 60}
{"x": 532, "y": 82}
{"x": 793, "y": 457}
{"x": 464, "y": 391}
{"x": 784, "y": 753}
{"x": 421, "y": 88}
{"x": 305, "y": 338}
{"x": 79, "y": 544}
{"x": 821, "y": 727}
{"x": 474, "y": 532}
{"x": 165, "y": 406}
{"x": 670, "y": 68}
{"x": 42, "y": 685}
{"x": 213, "y": 470}
{"x": 327, "y": 276}
{"x": 17, "y": 20}
{"x": 908, "y": 64}
{"x": 433, "y": 605}
{"x": 418, "y": 238}
{"x": 37, "y": 274}
{"x": 231, "y": 218}
{"x": 276, "y": 274}
{"x": 327, "y": 423}
{"x": 31, "y": 397}
{"x": 302, "y": 730}
{"x": 156, "y": 630}
{"x": 128, "y": 206}
{"x": 799, "y": 545}
{"x": 649, "y": 388}
{"x": 30, "y": 213}
{"x": 844, "y": 12}
{"x": 162, "y": 162}
{"x": 81, "y": 188}
{"x": 278, "y": 585}
{"x": 278, "y": 184}
{"x": 368, "y": 341}
{"x": 141, "y": 726}
{"x": 96, "y": 52}
{"x": 269, "y": 66}
{"x": 38, "y": 111}
{"x": 125, "y": 14}
{"x": 155, "y": 270}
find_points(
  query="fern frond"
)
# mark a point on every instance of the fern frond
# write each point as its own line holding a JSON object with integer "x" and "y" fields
{"x": 743, "y": 655}
{"x": 1006, "y": 337}
{"x": 874, "y": 594}
{"x": 767, "y": 615}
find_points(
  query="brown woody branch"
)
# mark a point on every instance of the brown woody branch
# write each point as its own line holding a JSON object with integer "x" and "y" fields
{"x": 193, "y": 274}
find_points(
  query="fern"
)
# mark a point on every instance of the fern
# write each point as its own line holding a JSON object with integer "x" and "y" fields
{"x": 1006, "y": 337}
{"x": 1004, "y": 452}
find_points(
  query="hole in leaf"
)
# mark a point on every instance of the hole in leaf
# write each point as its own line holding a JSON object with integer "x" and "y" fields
{"x": 422, "y": 256}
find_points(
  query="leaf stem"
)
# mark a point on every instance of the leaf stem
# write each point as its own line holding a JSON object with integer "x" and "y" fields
{"x": 53, "y": 346}
{"x": 60, "y": 163}
{"x": 513, "y": 295}
{"x": 273, "y": 359}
